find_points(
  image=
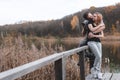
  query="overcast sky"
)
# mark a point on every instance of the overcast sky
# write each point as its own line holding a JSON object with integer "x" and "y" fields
{"x": 12, "y": 11}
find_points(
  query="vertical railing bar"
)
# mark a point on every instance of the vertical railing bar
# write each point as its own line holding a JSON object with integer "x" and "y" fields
{"x": 82, "y": 65}
{"x": 64, "y": 68}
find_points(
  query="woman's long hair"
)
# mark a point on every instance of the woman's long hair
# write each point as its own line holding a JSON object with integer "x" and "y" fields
{"x": 99, "y": 18}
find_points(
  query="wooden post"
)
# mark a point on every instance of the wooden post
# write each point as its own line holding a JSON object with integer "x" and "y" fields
{"x": 82, "y": 65}
{"x": 60, "y": 72}
{"x": 64, "y": 68}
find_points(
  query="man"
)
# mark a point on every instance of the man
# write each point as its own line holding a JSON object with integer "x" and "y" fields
{"x": 89, "y": 18}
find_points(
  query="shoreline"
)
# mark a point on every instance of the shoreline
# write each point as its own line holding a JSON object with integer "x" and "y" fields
{"x": 109, "y": 38}
{"x": 106, "y": 38}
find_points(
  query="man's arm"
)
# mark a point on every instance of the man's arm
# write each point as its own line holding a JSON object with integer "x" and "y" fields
{"x": 91, "y": 35}
{"x": 99, "y": 29}
{"x": 93, "y": 28}
{"x": 100, "y": 35}
{"x": 84, "y": 25}
{"x": 83, "y": 31}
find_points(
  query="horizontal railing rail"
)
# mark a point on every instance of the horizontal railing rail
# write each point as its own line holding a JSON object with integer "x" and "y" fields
{"x": 57, "y": 58}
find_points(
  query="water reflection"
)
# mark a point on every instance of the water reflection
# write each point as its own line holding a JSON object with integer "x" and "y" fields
{"x": 111, "y": 50}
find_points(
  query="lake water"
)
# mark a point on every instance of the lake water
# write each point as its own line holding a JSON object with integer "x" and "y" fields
{"x": 111, "y": 50}
{"x": 111, "y": 54}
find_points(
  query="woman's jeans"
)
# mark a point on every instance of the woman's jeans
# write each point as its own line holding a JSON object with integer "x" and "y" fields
{"x": 88, "y": 53}
{"x": 96, "y": 49}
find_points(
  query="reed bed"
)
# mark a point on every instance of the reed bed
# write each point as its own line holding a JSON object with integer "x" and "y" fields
{"x": 16, "y": 51}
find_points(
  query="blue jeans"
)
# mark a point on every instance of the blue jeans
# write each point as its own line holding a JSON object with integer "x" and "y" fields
{"x": 83, "y": 42}
{"x": 96, "y": 49}
{"x": 88, "y": 53}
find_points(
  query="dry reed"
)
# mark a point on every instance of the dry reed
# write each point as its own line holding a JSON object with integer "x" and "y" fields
{"x": 16, "y": 51}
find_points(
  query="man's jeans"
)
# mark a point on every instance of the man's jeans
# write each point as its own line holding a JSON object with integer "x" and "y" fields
{"x": 96, "y": 49}
{"x": 83, "y": 42}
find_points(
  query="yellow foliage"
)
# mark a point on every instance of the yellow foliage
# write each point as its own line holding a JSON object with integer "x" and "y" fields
{"x": 110, "y": 8}
{"x": 92, "y": 7}
{"x": 74, "y": 22}
{"x": 113, "y": 29}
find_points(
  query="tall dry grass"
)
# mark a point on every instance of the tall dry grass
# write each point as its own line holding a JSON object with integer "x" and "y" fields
{"x": 16, "y": 51}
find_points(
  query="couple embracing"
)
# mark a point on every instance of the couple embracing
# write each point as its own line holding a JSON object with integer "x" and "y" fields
{"x": 93, "y": 31}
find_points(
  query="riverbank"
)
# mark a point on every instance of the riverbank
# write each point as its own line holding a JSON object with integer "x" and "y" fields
{"x": 106, "y": 38}
{"x": 109, "y": 38}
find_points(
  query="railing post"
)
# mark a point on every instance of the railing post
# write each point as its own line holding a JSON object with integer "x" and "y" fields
{"x": 60, "y": 72}
{"x": 64, "y": 68}
{"x": 82, "y": 65}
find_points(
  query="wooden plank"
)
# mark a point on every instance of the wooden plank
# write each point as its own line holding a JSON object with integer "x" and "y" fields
{"x": 73, "y": 51}
{"x": 32, "y": 66}
{"x": 82, "y": 65}
{"x": 116, "y": 76}
{"x": 64, "y": 68}
{"x": 107, "y": 76}
{"x": 88, "y": 77}
{"x": 58, "y": 69}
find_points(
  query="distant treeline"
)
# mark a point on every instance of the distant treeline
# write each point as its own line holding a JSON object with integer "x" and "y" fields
{"x": 67, "y": 26}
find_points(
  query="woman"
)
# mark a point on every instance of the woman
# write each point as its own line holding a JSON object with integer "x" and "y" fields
{"x": 94, "y": 44}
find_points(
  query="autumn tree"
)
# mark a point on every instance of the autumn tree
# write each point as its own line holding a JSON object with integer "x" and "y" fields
{"x": 113, "y": 29}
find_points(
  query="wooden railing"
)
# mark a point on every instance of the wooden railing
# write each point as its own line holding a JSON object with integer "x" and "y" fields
{"x": 59, "y": 60}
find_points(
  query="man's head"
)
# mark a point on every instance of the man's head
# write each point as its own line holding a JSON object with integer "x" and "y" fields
{"x": 87, "y": 16}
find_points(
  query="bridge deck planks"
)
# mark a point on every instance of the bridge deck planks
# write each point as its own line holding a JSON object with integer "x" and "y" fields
{"x": 106, "y": 76}
{"x": 116, "y": 76}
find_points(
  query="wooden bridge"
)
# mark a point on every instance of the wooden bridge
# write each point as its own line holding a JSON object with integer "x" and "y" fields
{"x": 59, "y": 60}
